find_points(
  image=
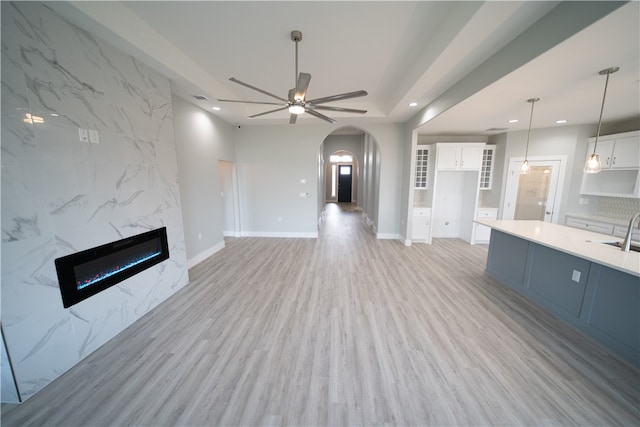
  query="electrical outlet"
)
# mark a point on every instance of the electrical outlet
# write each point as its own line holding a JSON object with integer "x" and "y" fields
{"x": 83, "y": 135}
{"x": 576, "y": 276}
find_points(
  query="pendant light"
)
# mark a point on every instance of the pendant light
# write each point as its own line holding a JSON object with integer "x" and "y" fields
{"x": 593, "y": 162}
{"x": 524, "y": 169}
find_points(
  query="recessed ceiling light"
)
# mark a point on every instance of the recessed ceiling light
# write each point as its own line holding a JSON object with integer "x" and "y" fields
{"x": 513, "y": 121}
{"x": 413, "y": 104}
{"x": 561, "y": 121}
{"x": 216, "y": 108}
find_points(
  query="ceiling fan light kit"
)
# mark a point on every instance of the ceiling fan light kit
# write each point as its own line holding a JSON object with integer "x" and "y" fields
{"x": 296, "y": 102}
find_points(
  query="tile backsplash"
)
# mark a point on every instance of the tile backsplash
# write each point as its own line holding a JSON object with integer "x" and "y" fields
{"x": 618, "y": 207}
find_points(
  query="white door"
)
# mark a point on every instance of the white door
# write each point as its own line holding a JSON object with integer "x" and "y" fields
{"x": 536, "y": 195}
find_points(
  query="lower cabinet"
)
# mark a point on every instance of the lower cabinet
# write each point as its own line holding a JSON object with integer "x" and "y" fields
{"x": 421, "y": 225}
{"x": 482, "y": 233}
{"x": 601, "y": 302}
{"x": 587, "y": 224}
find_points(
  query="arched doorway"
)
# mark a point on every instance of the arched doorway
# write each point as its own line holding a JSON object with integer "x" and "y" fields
{"x": 364, "y": 165}
{"x": 341, "y": 175}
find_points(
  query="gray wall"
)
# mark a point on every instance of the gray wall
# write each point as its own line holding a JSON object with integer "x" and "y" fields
{"x": 202, "y": 140}
{"x": 272, "y": 161}
{"x": 61, "y": 196}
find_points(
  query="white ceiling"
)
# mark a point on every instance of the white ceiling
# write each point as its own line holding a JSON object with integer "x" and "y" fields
{"x": 399, "y": 52}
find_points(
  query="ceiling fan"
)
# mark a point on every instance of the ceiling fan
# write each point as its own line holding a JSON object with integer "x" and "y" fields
{"x": 296, "y": 101}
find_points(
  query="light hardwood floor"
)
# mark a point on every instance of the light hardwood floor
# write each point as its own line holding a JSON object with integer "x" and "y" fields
{"x": 342, "y": 330}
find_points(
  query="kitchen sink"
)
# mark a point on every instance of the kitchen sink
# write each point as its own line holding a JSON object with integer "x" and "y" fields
{"x": 634, "y": 246}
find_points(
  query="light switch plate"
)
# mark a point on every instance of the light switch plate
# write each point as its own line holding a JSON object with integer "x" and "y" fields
{"x": 94, "y": 137}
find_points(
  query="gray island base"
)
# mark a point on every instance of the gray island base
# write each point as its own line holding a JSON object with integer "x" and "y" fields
{"x": 547, "y": 264}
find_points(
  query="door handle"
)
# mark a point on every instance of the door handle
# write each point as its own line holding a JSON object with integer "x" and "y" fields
{"x": 548, "y": 213}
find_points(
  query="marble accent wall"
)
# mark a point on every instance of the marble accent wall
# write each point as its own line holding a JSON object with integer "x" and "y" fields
{"x": 61, "y": 195}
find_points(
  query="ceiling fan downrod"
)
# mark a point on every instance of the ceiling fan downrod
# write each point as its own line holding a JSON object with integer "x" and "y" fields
{"x": 296, "y": 36}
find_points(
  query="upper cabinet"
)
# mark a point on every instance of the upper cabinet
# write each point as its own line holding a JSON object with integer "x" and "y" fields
{"x": 459, "y": 156}
{"x": 620, "y": 162}
{"x": 617, "y": 153}
{"x": 421, "y": 177}
{"x": 486, "y": 172}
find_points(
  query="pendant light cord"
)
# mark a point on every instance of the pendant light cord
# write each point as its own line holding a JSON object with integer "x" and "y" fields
{"x": 604, "y": 95}
{"x": 526, "y": 151}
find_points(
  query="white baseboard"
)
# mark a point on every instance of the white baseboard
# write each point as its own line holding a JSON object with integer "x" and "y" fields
{"x": 280, "y": 234}
{"x": 387, "y": 236}
{"x": 204, "y": 255}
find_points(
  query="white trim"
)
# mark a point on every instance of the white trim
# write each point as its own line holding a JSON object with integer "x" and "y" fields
{"x": 387, "y": 236}
{"x": 280, "y": 234}
{"x": 204, "y": 255}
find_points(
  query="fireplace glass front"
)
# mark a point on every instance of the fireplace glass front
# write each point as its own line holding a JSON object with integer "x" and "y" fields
{"x": 84, "y": 274}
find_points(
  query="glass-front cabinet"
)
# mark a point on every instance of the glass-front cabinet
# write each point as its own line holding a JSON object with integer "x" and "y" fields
{"x": 421, "y": 176}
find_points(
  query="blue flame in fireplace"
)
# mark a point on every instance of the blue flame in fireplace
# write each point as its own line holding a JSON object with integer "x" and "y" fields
{"x": 114, "y": 270}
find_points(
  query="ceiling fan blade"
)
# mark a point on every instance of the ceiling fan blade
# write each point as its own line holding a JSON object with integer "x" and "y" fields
{"x": 267, "y": 112}
{"x": 344, "y": 110}
{"x": 292, "y": 119}
{"x": 233, "y": 79}
{"x": 339, "y": 97}
{"x": 321, "y": 116}
{"x": 250, "y": 102}
{"x": 302, "y": 85}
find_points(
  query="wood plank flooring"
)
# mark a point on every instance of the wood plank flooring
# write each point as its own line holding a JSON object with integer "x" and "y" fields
{"x": 342, "y": 330}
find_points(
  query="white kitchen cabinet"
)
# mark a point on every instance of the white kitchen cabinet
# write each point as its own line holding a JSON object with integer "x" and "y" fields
{"x": 621, "y": 231}
{"x": 618, "y": 153}
{"x": 620, "y": 162}
{"x": 459, "y": 156}
{"x": 588, "y": 224}
{"x": 421, "y": 224}
{"x": 486, "y": 171}
{"x": 420, "y": 176}
{"x": 482, "y": 233}
{"x": 626, "y": 153}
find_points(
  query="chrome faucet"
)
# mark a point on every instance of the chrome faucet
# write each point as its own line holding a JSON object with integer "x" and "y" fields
{"x": 627, "y": 240}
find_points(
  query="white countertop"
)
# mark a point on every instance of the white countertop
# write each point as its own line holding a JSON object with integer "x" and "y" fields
{"x": 581, "y": 243}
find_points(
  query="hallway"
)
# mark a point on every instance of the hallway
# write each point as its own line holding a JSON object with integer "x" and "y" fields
{"x": 341, "y": 330}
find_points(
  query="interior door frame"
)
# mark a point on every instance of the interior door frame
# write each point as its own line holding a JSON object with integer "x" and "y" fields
{"x": 512, "y": 181}
{"x": 231, "y": 200}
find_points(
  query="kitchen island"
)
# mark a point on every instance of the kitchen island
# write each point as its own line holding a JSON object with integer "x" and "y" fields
{"x": 574, "y": 274}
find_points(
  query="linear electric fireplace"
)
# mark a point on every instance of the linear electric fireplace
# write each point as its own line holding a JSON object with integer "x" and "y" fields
{"x": 86, "y": 273}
